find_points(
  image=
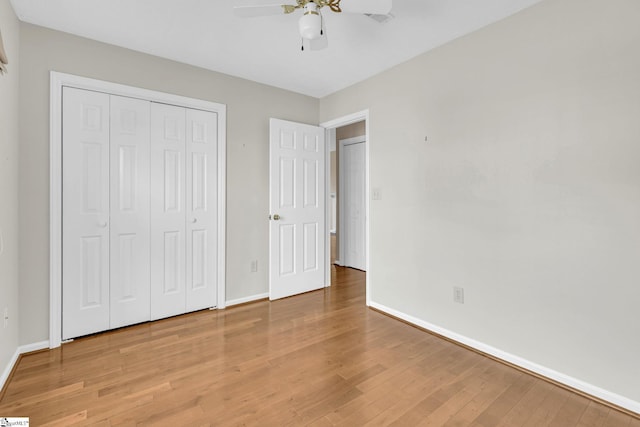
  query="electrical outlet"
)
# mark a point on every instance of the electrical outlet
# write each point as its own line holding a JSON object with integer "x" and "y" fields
{"x": 458, "y": 294}
{"x": 254, "y": 266}
{"x": 6, "y": 317}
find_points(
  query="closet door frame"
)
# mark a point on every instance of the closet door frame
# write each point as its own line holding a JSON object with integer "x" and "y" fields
{"x": 57, "y": 82}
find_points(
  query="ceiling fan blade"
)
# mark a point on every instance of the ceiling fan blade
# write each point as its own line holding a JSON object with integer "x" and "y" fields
{"x": 254, "y": 11}
{"x": 374, "y": 7}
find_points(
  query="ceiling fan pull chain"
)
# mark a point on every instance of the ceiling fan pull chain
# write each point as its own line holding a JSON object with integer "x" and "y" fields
{"x": 302, "y": 45}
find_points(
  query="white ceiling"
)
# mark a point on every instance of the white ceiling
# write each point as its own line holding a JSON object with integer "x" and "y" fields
{"x": 205, "y": 33}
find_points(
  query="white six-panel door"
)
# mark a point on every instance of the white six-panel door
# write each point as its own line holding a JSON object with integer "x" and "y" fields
{"x": 297, "y": 207}
{"x": 129, "y": 237}
{"x": 352, "y": 160}
{"x": 85, "y": 204}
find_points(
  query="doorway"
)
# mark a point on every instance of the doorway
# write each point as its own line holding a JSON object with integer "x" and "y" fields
{"x": 346, "y": 129}
{"x": 351, "y": 239}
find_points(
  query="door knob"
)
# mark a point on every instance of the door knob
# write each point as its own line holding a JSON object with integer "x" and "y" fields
{"x": 276, "y": 217}
{"x": 102, "y": 224}
{"x": 194, "y": 220}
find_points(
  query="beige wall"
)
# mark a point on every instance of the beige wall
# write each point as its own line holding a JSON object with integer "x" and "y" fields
{"x": 9, "y": 289}
{"x": 249, "y": 106}
{"x": 527, "y": 192}
{"x": 351, "y": 131}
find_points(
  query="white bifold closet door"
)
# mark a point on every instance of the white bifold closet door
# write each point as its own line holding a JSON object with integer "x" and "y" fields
{"x": 183, "y": 210}
{"x": 105, "y": 212}
{"x": 129, "y": 239}
{"x": 139, "y": 211}
{"x": 202, "y": 212}
{"x": 85, "y": 208}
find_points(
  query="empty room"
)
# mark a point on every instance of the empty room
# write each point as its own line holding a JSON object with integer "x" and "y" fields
{"x": 320, "y": 212}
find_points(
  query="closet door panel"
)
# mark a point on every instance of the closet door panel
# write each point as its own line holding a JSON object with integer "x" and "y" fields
{"x": 167, "y": 190}
{"x": 85, "y": 206}
{"x": 201, "y": 203}
{"x": 130, "y": 233}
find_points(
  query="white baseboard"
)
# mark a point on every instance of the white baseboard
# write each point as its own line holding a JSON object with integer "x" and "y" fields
{"x": 14, "y": 359}
{"x": 247, "y": 299}
{"x": 559, "y": 377}
{"x": 33, "y": 347}
{"x": 9, "y": 368}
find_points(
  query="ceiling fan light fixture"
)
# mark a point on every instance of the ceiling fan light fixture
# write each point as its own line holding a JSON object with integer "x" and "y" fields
{"x": 310, "y": 23}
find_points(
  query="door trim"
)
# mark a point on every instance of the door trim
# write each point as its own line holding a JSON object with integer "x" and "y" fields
{"x": 57, "y": 81}
{"x": 362, "y": 139}
{"x": 330, "y": 129}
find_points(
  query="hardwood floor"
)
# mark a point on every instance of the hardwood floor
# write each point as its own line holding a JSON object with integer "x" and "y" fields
{"x": 320, "y": 359}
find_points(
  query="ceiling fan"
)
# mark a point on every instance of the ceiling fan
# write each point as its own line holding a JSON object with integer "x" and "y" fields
{"x": 311, "y": 24}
